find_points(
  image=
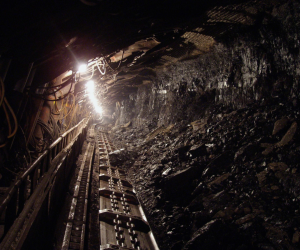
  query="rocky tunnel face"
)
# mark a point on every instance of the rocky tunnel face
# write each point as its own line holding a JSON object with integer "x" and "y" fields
{"x": 212, "y": 143}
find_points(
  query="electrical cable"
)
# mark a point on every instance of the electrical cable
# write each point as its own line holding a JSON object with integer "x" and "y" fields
{"x": 104, "y": 71}
{"x": 12, "y": 172}
{"x": 51, "y": 87}
{"x": 40, "y": 144}
{"x": 55, "y": 105}
{"x": 86, "y": 79}
{"x": 54, "y": 127}
{"x": 72, "y": 117}
{"x": 70, "y": 108}
{"x": 7, "y": 118}
{"x": 14, "y": 116}
{"x": 49, "y": 92}
{"x": 58, "y": 99}
{"x": 62, "y": 102}
{"x": 60, "y": 85}
{"x": 49, "y": 100}
{"x": 60, "y": 88}
{"x": 27, "y": 150}
{"x": 99, "y": 68}
{"x": 4, "y": 102}
{"x": 51, "y": 129}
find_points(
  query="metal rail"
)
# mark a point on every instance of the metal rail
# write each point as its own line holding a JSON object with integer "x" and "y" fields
{"x": 123, "y": 224}
{"x": 27, "y": 194}
{"x": 74, "y": 237}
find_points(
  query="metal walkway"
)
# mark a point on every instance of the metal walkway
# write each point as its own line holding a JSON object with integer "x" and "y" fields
{"x": 123, "y": 224}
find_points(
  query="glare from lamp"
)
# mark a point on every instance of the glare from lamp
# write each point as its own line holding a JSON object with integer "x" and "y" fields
{"x": 90, "y": 87}
{"x": 99, "y": 110}
{"x": 82, "y": 68}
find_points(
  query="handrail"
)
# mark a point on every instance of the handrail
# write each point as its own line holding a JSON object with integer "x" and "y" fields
{"x": 12, "y": 190}
{"x": 64, "y": 135}
{"x": 33, "y": 166}
{"x": 60, "y": 156}
{"x": 18, "y": 182}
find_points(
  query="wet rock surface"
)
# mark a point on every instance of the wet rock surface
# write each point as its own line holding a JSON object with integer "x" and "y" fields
{"x": 215, "y": 160}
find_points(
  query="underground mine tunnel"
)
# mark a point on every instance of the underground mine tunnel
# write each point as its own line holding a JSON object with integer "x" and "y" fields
{"x": 149, "y": 124}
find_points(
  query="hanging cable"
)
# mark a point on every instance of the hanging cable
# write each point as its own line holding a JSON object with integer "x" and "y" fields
{"x": 86, "y": 79}
{"x": 55, "y": 88}
{"x": 55, "y": 105}
{"x": 4, "y": 102}
{"x": 102, "y": 64}
{"x": 58, "y": 99}
{"x": 70, "y": 108}
{"x": 7, "y": 119}
{"x": 14, "y": 116}
{"x": 59, "y": 88}
{"x": 27, "y": 150}
{"x": 73, "y": 113}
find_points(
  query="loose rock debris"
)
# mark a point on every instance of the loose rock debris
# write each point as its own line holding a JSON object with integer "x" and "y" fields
{"x": 234, "y": 183}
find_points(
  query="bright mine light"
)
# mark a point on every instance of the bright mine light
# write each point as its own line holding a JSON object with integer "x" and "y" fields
{"x": 90, "y": 87}
{"x": 82, "y": 68}
{"x": 99, "y": 109}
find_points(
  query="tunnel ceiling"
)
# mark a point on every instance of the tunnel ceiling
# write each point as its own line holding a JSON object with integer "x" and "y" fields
{"x": 137, "y": 38}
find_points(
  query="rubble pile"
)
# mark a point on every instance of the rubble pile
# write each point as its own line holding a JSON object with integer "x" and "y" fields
{"x": 228, "y": 181}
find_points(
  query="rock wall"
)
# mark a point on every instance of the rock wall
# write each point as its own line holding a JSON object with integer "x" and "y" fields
{"x": 223, "y": 172}
{"x": 252, "y": 64}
